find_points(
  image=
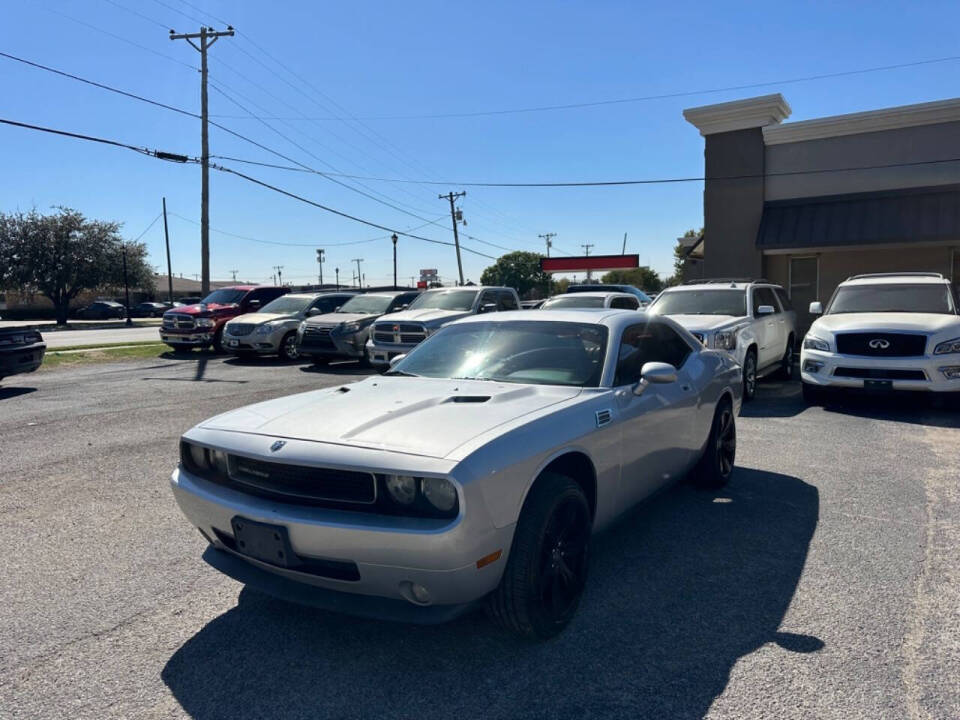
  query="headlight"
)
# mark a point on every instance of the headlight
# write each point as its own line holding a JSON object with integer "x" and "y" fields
{"x": 350, "y": 328}
{"x": 440, "y": 493}
{"x": 402, "y": 488}
{"x": 266, "y": 329}
{"x": 725, "y": 339}
{"x": 205, "y": 322}
{"x": 205, "y": 462}
{"x": 812, "y": 342}
{"x": 303, "y": 327}
{"x": 950, "y": 346}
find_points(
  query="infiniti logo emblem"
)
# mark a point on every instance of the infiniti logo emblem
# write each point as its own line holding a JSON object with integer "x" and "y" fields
{"x": 879, "y": 344}
{"x": 277, "y": 445}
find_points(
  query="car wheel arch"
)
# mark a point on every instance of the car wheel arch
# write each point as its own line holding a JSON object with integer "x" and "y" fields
{"x": 575, "y": 464}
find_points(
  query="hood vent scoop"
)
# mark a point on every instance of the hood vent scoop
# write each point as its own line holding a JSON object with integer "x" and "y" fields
{"x": 469, "y": 398}
{"x": 343, "y": 389}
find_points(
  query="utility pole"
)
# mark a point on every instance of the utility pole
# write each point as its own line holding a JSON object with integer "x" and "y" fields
{"x": 623, "y": 250}
{"x": 455, "y": 215}
{"x": 234, "y": 273}
{"x": 359, "y": 278}
{"x": 337, "y": 270}
{"x": 586, "y": 249}
{"x": 126, "y": 284}
{"x": 549, "y": 239}
{"x": 279, "y": 269}
{"x": 320, "y": 253}
{"x": 207, "y": 37}
{"x": 166, "y": 236}
{"x": 394, "y": 238}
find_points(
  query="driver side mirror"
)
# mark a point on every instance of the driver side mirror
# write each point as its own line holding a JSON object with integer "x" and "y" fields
{"x": 655, "y": 373}
{"x": 487, "y": 307}
{"x": 397, "y": 358}
{"x": 765, "y": 310}
{"x": 312, "y": 312}
{"x": 816, "y": 308}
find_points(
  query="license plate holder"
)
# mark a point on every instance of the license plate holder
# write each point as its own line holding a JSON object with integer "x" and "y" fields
{"x": 878, "y": 385}
{"x": 264, "y": 542}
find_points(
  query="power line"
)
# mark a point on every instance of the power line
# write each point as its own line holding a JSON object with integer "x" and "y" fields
{"x": 153, "y": 222}
{"x": 665, "y": 96}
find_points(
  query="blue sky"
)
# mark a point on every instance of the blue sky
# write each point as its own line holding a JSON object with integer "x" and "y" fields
{"x": 378, "y": 59}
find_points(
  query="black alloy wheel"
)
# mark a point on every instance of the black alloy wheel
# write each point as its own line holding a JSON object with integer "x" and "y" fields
{"x": 726, "y": 442}
{"x": 563, "y": 560}
{"x": 715, "y": 466}
{"x": 786, "y": 364}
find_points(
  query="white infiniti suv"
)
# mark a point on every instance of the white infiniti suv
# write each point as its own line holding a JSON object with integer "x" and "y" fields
{"x": 887, "y": 331}
{"x": 751, "y": 319}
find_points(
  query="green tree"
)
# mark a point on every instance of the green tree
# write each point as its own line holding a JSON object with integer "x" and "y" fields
{"x": 519, "y": 270}
{"x": 680, "y": 258}
{"x": 641, "y": 277}
{"x": 62, "y": 254}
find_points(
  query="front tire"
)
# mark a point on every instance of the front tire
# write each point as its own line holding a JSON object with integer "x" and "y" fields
{"x": 217, "y": 343}
{"x": 547, "y": 569}
{"x": 719, "y": 457}
{"x": 750, "y": 375}
{"x": 786, "y": 364}
{"x": 288, "y": 347}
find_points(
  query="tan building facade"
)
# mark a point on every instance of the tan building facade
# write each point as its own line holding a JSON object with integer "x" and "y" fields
{"x": 808, "y": 204}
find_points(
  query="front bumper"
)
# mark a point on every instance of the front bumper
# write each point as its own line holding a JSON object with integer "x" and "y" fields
{"x": 832, "y": 367}
{"x": 334, "y": 345}
{"x": 194, "y": 338}
{"x": 389, "y": 553}
{"x": 383, "y": 353}
{"x": 21, "y": 359}
{"x": 253, "y": 344}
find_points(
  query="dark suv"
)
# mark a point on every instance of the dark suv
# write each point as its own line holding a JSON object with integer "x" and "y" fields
{"x": 201, "y": 325}
{"x": 21, "y": 351}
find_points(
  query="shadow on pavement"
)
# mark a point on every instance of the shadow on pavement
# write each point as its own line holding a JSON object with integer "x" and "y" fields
{"x": 11, "y": 392}
{"x": 680, "y": 590}
{"x": 775, "y": 398}
{"x": 347, "y": 368}
{"x": 917, "y": 408}
{"x": 260, "y": 361}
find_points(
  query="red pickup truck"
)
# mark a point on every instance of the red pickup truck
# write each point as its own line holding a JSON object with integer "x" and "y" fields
{"x": 201, "y": 325}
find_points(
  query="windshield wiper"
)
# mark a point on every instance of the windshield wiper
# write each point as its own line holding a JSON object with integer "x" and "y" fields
{"x": 467, "y": 377}
{"x": 400, "y": 373}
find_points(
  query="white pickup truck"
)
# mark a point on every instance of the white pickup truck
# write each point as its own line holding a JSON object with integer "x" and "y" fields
{"x": 752, "y": 319}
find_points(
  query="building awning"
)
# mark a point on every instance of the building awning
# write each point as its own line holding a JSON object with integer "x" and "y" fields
{"x": 913, "y": 215}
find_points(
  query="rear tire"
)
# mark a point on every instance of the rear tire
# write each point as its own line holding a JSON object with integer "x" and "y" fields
{"x": 547, "y": 569}
{"x": 288, "y": 347}
{"x": 750, "y": 375}
{"x": 716, "y": 465}
{"x": 786, "y": 364}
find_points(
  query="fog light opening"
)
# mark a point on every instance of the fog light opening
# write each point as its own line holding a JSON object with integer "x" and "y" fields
{"x": 951, "y": 372}
{"x": 414, "y": 593}
{"x": 812, "y": 366}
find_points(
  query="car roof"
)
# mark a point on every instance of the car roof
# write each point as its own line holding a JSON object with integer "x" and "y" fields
{"x": 468, "y": 287}
{"x": 897, "y": 279}
{"x": 596, "y": 293}
{"x": 611, "y": 317}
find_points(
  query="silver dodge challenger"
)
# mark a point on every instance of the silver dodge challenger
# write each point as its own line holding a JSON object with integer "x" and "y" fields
{"x": 474, "y": 471}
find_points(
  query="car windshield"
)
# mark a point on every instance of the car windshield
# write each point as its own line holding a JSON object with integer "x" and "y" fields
{"x": 445, "y": 300}
{"x": 367, "y": 304}
{"x": 701, "y": 302}
{"x": 224, "y": 297}
{"x": 534, "y": 352}
{"x": 928, "y": 298}
{"x": 582, "y": 301}
{"x": 288, "y": 304}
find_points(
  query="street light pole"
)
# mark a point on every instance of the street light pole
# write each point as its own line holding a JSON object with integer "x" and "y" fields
{"x": 126, "y": 283}
{"x": 320, "y": 253}
{"x": 337, "y": 270}
{"x": 394, "y": 238}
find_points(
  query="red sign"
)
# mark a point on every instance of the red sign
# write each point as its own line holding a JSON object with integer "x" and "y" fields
{"x": 422, "y": 284}
{"x": 583, "y": 263}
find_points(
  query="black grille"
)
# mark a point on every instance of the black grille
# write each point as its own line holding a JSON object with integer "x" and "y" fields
{"x": 239, "y": 329}
{"x": 383, "y": 337}
{"x": 318, "y": 337}
{"x": 182, "y": 322}
{"x": 879, "y": 374}
{"x": 411, "y": 339}
{"x": 301, "y": 484}
{"x": 881, "y": 344}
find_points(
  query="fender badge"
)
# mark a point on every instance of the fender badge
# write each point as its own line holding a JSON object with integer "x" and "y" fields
{"x": 277, "y": 445}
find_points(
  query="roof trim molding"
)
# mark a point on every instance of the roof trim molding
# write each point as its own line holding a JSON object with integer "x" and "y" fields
{"x": 757, "y": 112}
{"x": 893, "y": 118}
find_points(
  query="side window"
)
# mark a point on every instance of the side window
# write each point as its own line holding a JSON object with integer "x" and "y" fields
{"x": 650, "y": 342}
{"x": 329, "y": 303}
{"x": 625, "y": 303}
{"x": 488, "y": 296}
{"x": 763, "y": 296}
{"x": 507, "y": 301}
{"x": 784, "y": 300}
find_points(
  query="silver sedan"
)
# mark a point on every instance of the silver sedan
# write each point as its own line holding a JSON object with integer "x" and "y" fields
{"x": 473, "y": 472}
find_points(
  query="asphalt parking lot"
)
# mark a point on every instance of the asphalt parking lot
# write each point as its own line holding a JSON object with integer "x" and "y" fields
{"x": 823, "y": 582}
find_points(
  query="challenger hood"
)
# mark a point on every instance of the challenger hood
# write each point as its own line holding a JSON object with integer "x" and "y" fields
{"x": 886, "y": 322}
{"x": 421, "y": 416}
{"x": 428, "y": 316}
{"x": 702, "y": 323}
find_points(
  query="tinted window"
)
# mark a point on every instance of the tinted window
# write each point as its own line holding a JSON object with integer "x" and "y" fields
{"x": 402, "y": 301}
{"x": 445, "y": 300}
{"x": 329, "y": 303}
{"x": 573, "y": 301}
{"x": 784, "y": 300}
{"x": 763, "y": 296}
{"x": 224, "y": 297}
{"x": 507, "y": 301}
{"x": 648, "y": 342}
{"x": 287, "y": 305}
{"x": 701, "y": 302}
{"x": 625, "y": 303}
{"x": 928, "y": 298}
{"x": 365, "y": 304}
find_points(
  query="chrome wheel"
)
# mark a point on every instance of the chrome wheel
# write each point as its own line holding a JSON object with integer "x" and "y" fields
{"x": 563, "y": 560}
{"x": 726, "y": 442}
{"x": 289, "y": 347}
